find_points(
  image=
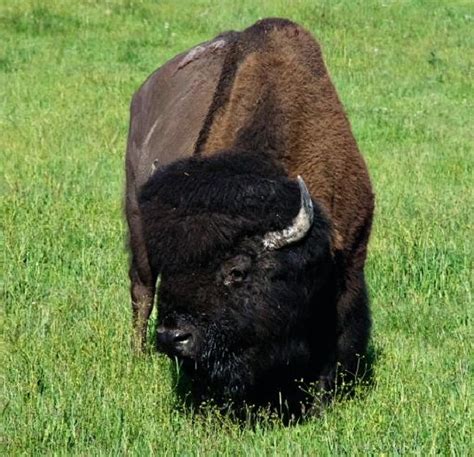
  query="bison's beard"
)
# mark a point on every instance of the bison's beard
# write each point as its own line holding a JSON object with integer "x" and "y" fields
{"x": 254, "y": 377}
{"x": 220, "y": 376}
{"x": 222, "y": 384}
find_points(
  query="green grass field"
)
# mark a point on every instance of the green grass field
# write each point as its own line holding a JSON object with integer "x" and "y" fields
{"x": 71, "y": 384}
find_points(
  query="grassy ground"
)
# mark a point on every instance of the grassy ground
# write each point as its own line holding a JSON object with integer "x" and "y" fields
{"x": 68, "y": 70}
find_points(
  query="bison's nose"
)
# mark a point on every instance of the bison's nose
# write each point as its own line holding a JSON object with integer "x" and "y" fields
{"x": 175, "y": 341}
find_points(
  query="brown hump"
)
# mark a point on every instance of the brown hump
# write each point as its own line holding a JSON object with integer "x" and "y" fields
{"x": 275, "y": 94}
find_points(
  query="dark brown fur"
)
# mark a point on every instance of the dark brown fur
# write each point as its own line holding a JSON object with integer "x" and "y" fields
{"x": 267, "y": 89}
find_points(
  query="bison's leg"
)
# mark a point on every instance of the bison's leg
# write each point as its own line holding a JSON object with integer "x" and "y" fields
{"x": 142, "y": 276}
{"x": 353, "y": 330}
{"x": 143, "y": 293}
{"x": 353, "y": 315}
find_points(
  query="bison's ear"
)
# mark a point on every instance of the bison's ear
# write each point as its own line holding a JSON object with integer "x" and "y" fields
{"x": 298, "y": 228}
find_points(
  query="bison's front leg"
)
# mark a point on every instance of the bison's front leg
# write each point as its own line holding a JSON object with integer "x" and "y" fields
{"x": 142, "y": 276}
{"x": 353, "y": 313}
{"x": 354, "y": 331}
{"x": 143, "y": 293}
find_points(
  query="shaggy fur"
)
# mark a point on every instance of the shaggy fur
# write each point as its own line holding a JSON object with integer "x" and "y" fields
{"x": 255, "y": 329}
{"x": 263, "y": 111}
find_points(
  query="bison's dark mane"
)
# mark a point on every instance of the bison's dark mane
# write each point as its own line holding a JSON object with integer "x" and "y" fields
{"x": 198, "y": 206}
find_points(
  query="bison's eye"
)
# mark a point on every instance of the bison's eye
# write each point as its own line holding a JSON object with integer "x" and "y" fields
{"x": 237, "y": 275}
{"x": 234, "y": 277}
{"x": 235, "y": 270}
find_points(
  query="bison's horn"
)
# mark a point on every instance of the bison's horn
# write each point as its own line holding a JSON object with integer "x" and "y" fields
{"x": 298, "y": 228}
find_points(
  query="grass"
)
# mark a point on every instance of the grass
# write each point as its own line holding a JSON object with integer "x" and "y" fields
{"x": 71, "y": 385}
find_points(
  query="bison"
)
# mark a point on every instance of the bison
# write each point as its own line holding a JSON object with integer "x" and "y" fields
{"x": 247, "y": 195}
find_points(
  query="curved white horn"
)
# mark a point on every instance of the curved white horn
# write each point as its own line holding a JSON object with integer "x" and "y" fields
{"x": 299, "y": 226}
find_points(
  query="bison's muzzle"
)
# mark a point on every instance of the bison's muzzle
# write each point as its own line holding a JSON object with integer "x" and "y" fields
{"x": 176, "y": 342}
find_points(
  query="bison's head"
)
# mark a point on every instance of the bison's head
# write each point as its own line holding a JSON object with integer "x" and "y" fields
{"x": 243, "y": 255}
